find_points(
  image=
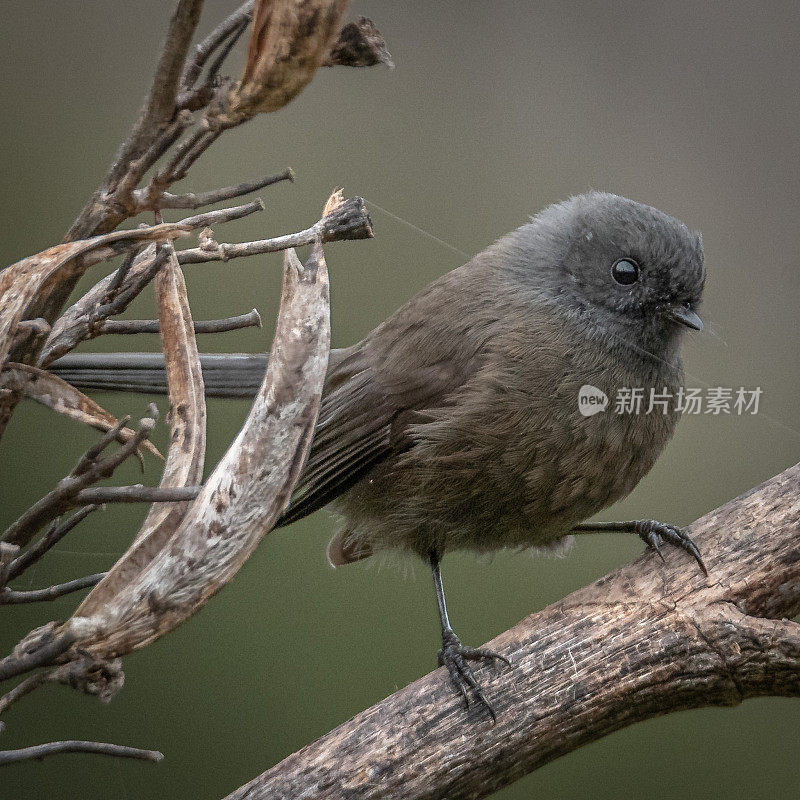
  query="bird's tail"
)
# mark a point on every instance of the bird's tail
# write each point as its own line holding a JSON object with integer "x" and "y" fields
{"x": 224, "y": 374}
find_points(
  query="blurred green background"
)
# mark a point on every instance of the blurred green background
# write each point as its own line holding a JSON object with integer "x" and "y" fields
{"x": 495, "y": 110}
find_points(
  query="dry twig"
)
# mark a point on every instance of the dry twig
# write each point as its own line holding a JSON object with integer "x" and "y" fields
{"x": 130, "y": 327}
{"x": 40, "y": 751}
{"x": 89, "y": 470}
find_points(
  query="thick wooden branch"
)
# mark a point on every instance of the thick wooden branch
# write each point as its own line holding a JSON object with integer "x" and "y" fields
{"x": 648, "y": 639}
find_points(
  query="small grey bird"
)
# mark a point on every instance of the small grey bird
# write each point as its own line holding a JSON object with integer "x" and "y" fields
{"x": 455, "y": 424}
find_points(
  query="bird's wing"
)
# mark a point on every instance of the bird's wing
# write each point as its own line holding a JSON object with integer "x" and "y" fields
{"x": 353, "y": 433}
{"x": 413, "y": 361}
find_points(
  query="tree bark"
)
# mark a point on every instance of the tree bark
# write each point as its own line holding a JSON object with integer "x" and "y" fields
{"x": 647, "y": 639}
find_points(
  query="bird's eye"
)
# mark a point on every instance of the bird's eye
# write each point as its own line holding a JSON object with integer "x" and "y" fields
{"x": 625, "y": 271}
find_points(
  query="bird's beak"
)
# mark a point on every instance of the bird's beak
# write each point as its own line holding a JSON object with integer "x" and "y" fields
{"x": 684, "y": 316}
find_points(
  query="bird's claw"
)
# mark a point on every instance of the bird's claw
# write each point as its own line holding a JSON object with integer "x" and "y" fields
{"x": 455, "y": 656}
{"x": 655, "y": 533}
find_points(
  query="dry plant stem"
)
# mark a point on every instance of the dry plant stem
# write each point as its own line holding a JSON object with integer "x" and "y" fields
{"x": 214, "y": 40}
{"x": 27, "y": 289}
{"x": 147, "y": 200}
{"x": 137, "y": 493}
{"x": 244, "y": 494}
{"x": 40, "y": 751}
{"x": 25, "y": 286}
{"x": 187, "y": 420}
{"x": 281, "y": 58}
{"x": 645, "y": 640}
{"x": 349, "y": 221}
{"x": 128, "y": 327}
{"x": 31, "y": 683}
{"x": 102, "y": 213}
{"x": 62, "y": 497}
{"x": 16, "y": 597}
{"x": 124, "y": 296}
{"x": 78, "y": 322}
{"x": 187, "y": 153}
{"x": 58, "y": 530}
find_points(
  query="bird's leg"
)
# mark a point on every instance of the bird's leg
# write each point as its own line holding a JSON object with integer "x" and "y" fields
{"x": 651, "y": 532}
{"x": 455, "y": 655}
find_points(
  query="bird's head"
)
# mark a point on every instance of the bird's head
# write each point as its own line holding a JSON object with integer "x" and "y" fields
{"x": 622, "y": 270}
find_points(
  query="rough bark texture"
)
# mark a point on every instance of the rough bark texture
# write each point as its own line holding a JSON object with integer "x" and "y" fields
{"x": 645, "y": 640}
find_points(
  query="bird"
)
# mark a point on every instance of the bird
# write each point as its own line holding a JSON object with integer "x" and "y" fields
{"x": 456, "y": 423}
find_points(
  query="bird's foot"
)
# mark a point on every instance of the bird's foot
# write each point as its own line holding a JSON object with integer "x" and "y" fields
{"x": 455, "y": 656}
{"x": 655, "y": 533}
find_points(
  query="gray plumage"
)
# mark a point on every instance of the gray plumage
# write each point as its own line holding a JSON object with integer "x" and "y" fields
{"x": 459, "y": 415}
{"x": 455, "y": 423}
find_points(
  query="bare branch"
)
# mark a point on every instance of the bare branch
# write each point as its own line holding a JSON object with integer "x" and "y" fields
{"x": 41, "y": 751}
{"x": 81, "y": 320}
{"x": 58, "y": 530}
{"x": 645, "y": 640}
{"x": 154, "y": 130}
{"x": 281, "y": 60}
{"x": 62, "y": 497}
{"x": 195, "y": 144}
{"x": 31, "y": 683}
{"x": 209, "y": 218}
{"x": 158, "y": 110}
{"x": 25, "y": 286}
{"x": 160, "y": 104}
{"x": 137, "y": 493}
{"x": 135, "y": 326}
{"x": 147, "y": 199}
{"x": 119, "y": 276}
{"x": 349, "y": 221}
{"x": 78, "y": 323}
{"x": 214, "y": 40}
{"x": 15, "y": 597}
